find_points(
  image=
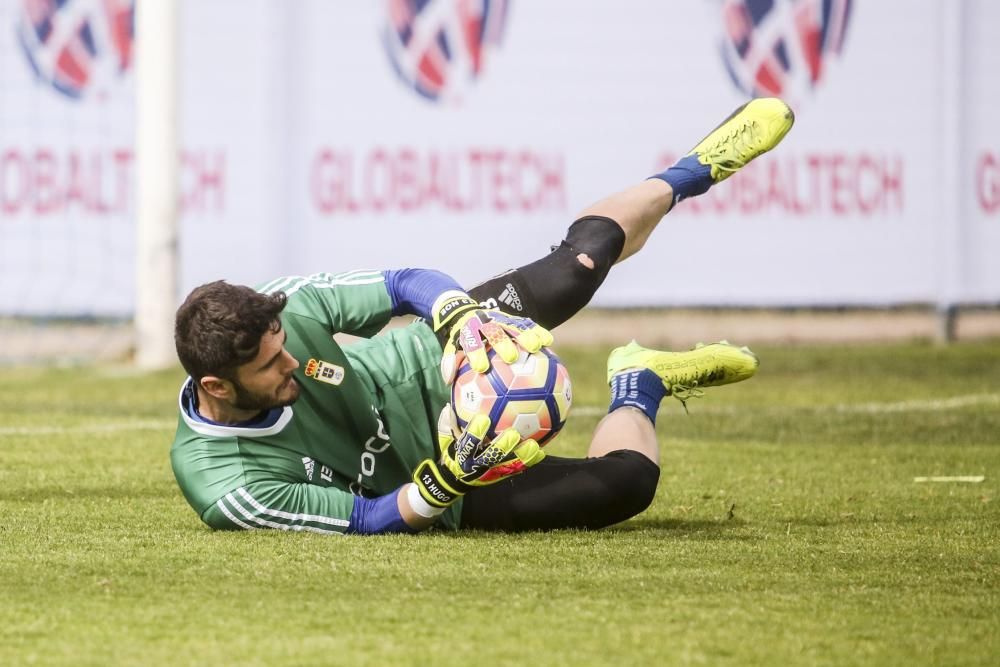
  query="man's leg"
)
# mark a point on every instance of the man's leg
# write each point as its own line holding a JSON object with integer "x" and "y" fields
{"x": 618, "y": 478}
{"x": 639, "y": 379}
{"x": 554, "y": 288}
{"x": 625, "y": 428}
{"x": 565, "y": 493}
{"x": 637, "y": 210}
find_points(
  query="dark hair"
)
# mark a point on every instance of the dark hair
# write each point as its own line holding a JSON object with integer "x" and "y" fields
{"x": 219, "y": 327}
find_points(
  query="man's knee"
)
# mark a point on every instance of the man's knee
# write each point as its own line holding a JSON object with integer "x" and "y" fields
{"x": 596, "y": 242}
{"x": 633, "y": 483}
{"x": 553, "y": 288}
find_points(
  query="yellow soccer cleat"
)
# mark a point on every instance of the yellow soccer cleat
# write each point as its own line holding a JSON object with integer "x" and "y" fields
{"x": 752, "y": 130}
{"x": 684, "y": 374}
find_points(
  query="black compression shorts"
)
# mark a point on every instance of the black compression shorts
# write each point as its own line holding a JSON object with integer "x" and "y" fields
{"x": 565, "y": 493}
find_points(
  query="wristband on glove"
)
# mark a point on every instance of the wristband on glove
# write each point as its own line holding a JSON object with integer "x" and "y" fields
{"x": 433, "y": 485}
{"x": 448, "y": 307}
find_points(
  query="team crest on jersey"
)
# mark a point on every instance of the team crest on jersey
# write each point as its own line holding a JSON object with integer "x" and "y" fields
{"x": 324, "y": 371}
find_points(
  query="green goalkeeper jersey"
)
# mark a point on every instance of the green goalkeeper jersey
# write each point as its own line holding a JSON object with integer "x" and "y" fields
{"x": 366, "y": 415}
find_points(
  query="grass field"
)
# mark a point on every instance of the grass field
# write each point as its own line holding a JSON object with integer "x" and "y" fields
{"x": 788, "y": 529}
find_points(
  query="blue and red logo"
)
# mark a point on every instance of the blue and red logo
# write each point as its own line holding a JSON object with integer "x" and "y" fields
{"x": 440, "y": 47}
{"x": 780, "y": 47}
{"x": 76, "y": 46}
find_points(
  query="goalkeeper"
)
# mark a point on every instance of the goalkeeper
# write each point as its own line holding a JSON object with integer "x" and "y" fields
{"x": 281, "y": 427}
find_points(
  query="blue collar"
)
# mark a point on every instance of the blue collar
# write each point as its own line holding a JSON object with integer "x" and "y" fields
{"x": 265, "y": 419}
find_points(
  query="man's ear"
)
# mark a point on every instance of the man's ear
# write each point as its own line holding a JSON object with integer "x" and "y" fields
{"x": 217, "y": 387}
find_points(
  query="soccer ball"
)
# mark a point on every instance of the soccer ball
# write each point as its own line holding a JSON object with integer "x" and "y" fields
{"x": 533, "y": 395}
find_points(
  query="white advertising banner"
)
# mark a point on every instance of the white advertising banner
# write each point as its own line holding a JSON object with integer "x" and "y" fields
{"x": 465, "y": 135}
{"x": 978, "y": 272}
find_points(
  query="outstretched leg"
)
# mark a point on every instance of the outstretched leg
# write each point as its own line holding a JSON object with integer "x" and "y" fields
{"x": 637, "y": 210}
{"x": 554, "y": 288}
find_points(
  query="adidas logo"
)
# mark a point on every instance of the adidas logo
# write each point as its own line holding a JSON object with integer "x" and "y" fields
{"x": 509, "y": 296}
{"x": 310, "y": 467}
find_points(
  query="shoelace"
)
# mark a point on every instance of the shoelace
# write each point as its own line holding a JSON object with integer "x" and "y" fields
{"x": 744, "y": 137}
{"x": 684, "y": 393}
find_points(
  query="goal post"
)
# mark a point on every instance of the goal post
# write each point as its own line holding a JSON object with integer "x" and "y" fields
{"x": 157, "y": 157}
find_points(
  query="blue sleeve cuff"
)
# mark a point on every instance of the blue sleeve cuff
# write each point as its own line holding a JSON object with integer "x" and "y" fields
{"x": 413, "y": 291}
{"x": 375, "y": 516}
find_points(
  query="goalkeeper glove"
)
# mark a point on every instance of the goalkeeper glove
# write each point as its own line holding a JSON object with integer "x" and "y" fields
{"x": 471, "y": 461}
{"x": 460, "y": 322}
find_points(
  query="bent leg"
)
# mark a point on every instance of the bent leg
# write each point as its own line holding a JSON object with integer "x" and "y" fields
{"x": 617, "y": 481}
{"x": 566, "y": 493}
{"x": 625, "y": 428}
{"x": 637, "y": 210}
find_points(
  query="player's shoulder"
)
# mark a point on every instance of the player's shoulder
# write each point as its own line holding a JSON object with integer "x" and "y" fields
{"x": 292, "y": 285}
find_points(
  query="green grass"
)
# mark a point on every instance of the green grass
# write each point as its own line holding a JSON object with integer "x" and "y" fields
{"x": 787, "y": 530}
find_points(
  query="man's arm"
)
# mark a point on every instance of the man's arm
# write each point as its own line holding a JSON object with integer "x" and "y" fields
{"x": 414, "y": 291}
{"x": 283, "y": 506}
{"x": 361, "y": 302}
{"x": 355, "y": 302}
{"x": 461, "y": 324}
{"x": 326, "y": 510}
{"x": 462, "y": 466}
{"x": 402, "y": 511}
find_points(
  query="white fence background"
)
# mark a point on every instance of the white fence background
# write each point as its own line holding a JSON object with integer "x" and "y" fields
{"x": 303, "y": 150}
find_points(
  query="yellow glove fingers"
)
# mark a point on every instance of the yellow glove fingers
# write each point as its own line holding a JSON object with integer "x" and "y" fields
{"x": 467, "y": 447}
{"x": 478, "y": 426}
{"x": 469, "y": 338}
{"x": 529, "y": 453}
{"x": 545, "y": 335}
{"x": 479, "y": 360}
{"x": 486, "y": 454}
{"x": 511, "y": 446}
{"x": 499, "y": 340}
{"x": 533, "y": 339}
{"x": 474, "y": 332}
{"x": 512, "y": 455}
{"x": 506, "y": 441}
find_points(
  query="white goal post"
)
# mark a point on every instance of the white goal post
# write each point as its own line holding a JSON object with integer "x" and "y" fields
{"x": 157, "y": 150}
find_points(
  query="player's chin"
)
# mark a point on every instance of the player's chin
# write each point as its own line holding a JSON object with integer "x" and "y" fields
{"x": 288, "y": 393}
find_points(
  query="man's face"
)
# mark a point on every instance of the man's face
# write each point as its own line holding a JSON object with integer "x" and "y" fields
{"x": 266, "y": 382}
